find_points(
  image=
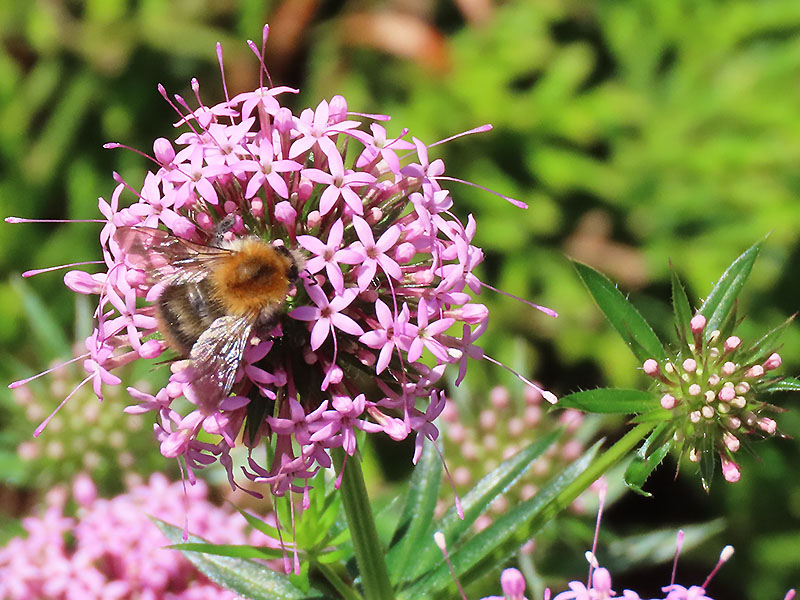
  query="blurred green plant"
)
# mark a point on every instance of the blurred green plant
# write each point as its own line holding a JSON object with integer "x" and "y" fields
{"x": 74, "y": 75}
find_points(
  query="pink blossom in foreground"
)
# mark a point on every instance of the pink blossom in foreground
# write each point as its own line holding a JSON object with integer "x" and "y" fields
{"x": 112, "y": 549}
{"x": 599, "y": 585}
{"x": 474, "y": 442}
{"x": 381, "y": 307}
{"x": 599, "y": 588}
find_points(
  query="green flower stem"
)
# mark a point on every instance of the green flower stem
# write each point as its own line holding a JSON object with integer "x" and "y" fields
{"x": 333, "y": 578}
{"x": 363, "y": 533}
{"x": 598, "y": 467}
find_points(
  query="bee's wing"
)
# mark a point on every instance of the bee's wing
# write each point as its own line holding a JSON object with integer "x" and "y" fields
{"x": 160, "y": 254}
{"x": 217, "y": 354}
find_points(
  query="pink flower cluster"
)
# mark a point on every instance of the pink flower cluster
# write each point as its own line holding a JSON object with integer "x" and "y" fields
{"x": 513, "y": 585}
{"x": 382, "y": 306}
{"x": 475, "y": 443}
{"x": 112, "y": 550}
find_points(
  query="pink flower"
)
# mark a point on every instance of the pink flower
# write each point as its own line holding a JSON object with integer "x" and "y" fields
{"x": 327, "y": 315}
{"x": 329, "y": 255}
{"x": 339, "y": 184}
{"x": 114, "y": 550}
{"x": 386, "y": 333}
{"x": 386, "y": 270}
{"x": 372, "y": 254}
{"x": 267, "y": 171}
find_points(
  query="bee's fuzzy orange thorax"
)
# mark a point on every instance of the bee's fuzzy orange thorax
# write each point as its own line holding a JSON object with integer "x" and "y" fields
{"x": 252, "y": 278}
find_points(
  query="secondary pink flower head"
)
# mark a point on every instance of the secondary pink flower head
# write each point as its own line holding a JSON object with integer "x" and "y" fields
{"x": 113, "y": 549}
{"x": 380, "y": 307}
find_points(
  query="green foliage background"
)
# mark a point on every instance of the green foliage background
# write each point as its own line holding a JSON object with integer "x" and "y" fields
{"x": 639, "y": 133}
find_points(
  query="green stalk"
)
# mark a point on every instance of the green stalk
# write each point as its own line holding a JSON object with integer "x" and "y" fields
{"x": 363, "y": 533}
{"x": 333, "y": 578}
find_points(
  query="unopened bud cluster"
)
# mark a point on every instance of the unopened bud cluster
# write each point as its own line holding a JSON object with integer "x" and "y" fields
{"x": 503, "y": 427}
{"x": 712, "y": 394}
{"x": 111, "y": 446}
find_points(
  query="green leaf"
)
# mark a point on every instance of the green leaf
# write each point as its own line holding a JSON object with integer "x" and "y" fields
{"x": 708, "y": 462}
{"x": 721, "y": 300}
{"x": 787, "y": 384}
{"x": 475, "y": 503}
{"x": 479, "y": 554}
{"x": 415, "y": 527}
{"x": 646, "y": 461}
{"x": 682, "y": 309}
{"x": 244, "y": 577}
{"x": 766, "y": 345}
{"x": 636, "y": 332}
{"x": 610, "y": 401}
{"x": 235, "y": 550}
{"x": 259, "y": 525}
{"x": 655, "y": 415}
{"x": 657, "y": 546}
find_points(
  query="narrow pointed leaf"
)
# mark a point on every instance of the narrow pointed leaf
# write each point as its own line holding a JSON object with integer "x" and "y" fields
{"x": 259, "y": 525}
{"x": 494, "y": 545}
{"x": 708, "y": 462}
{"x": 682, "y": 309}
{"x": 610, "y": 401}
{"x": 647, "y": 458}
{"x": 246, "y": 578}
{"x": 722, "y": 298}
{"x": 630, "y": 324}
{"x": 788, "y": 384}
{"x": 417, "y": 514}
{"x": 767, "y": 344}
{"x": 234, "y": 550}
{"x": 476, "y": 501}
{"x": 657, "y": 546}
{"x": 655, "y": 415}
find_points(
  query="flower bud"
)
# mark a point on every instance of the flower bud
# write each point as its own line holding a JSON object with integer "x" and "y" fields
{"x": 768, "y": 425}
{"x": 773, "y": 362}
{"x": 727, "y": 393}
{"x": 728, "y": 369}
{"x": 755, "y": 372}
{"x": 163, "y": 151}
{"x": 284, "y": 120}
{"x": 734, "y": 423}
{"x": 285, "y": 213}
{"x": 151, "y": 349}
{"x": 731, "y": 441}
{"x": 650, "y": 367}
{"x": 732, "y": 343}
{"x": 730, "y": 471}
{"x": 697, "y": 324}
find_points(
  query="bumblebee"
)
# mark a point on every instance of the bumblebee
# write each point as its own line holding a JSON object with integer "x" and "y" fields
{"x": 213, "y": 296}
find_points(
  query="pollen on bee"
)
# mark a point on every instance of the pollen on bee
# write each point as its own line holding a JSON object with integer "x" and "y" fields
{"x": 252, "y": 278}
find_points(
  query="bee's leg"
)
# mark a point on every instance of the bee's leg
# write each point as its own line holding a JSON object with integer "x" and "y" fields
{"x": 221, "y": 228}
